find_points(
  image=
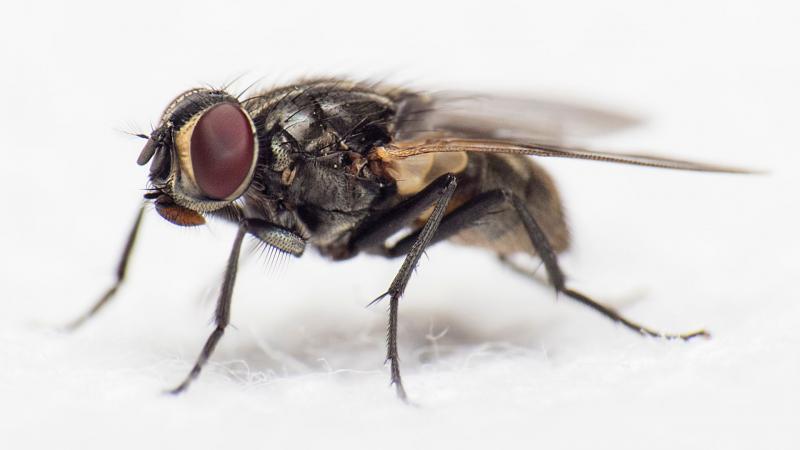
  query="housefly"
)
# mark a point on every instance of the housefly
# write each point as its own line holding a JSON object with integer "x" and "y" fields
{"x": 343, "y": 167}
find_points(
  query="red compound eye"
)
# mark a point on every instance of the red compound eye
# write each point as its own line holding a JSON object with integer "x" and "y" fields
{"x": 222, "y": 150}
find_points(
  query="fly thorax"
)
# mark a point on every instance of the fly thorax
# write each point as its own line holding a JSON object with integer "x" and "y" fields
{"x": 281, "y": 147}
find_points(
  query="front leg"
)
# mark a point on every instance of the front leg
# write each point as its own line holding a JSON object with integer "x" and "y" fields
{"x": 443, "y": 193}
{"x": 270, "y": 235}
{"x": 122, "y": 267}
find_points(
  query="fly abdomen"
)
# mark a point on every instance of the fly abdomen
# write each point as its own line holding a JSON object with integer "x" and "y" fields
{"x": 504, "y": 233}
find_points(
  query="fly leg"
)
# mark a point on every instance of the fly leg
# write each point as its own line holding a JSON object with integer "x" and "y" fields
{"x": 122, "y": 267}
{"x": 270, "y": 235}
{"x": 533, "y": 274}
{"x": 373, "y": 236}
{"x": 446, "y": 185}
{"x": 491, "y": 201}
{"x": 222, "y": 313}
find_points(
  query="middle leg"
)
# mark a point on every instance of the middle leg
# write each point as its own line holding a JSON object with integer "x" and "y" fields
{"x": 443, "y": 193}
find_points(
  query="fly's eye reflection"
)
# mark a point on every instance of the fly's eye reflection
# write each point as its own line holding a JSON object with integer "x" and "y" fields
{"x": 222, "y": 150}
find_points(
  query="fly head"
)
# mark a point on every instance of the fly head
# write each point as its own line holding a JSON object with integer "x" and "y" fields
{"x": 202, "y": 155}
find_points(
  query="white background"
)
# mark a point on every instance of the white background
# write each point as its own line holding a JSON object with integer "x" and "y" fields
{"x": 716, "y": 81}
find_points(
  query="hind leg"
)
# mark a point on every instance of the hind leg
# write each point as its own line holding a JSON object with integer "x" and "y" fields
{"x": 492, "y": 201}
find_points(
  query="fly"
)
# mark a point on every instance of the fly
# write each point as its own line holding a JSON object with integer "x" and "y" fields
{"x": 343, "y": 166}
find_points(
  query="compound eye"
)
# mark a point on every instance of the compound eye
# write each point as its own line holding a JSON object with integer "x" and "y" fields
{"x": 222, "y": 150}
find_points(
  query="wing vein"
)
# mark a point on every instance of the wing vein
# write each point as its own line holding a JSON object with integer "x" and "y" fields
{"x": 405, "y": 149}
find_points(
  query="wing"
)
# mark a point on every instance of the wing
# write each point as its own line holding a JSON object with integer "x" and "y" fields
{"x": 400, "y": 150}
{"x": 511, "y": 118}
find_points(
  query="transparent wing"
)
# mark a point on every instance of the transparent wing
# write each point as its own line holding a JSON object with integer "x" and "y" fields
{"x": 404, "y": 149}
{"x": 513, "y": 118}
